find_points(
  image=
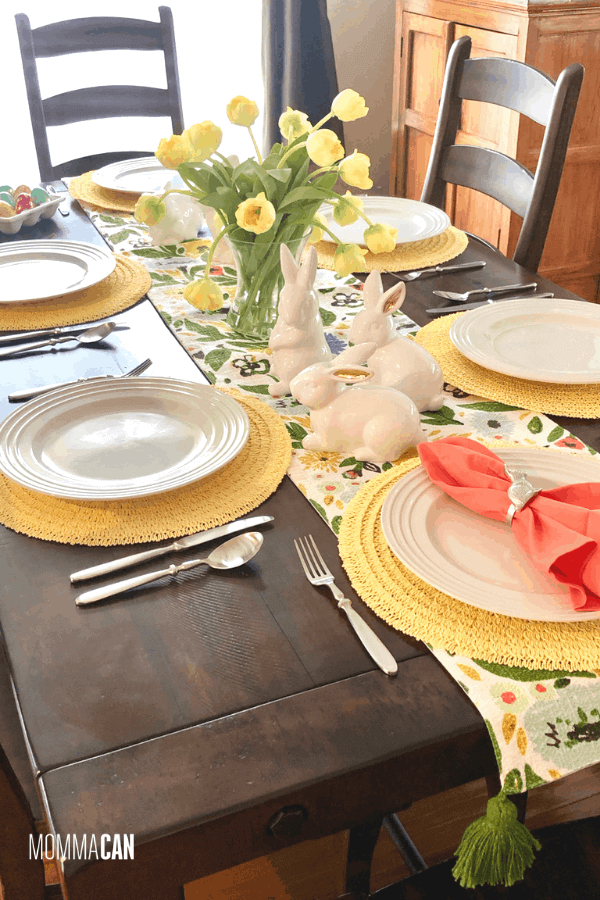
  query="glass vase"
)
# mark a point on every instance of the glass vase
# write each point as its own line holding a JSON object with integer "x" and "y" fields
{"x": 253, "y": 310}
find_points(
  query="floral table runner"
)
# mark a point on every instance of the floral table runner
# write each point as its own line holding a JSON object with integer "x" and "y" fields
{"x": 543, "y": 724}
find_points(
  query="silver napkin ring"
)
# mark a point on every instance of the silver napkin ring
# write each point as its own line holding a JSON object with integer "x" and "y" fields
{"x": 520, "y": 492}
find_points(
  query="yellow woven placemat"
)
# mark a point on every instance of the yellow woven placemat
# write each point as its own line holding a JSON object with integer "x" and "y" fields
{"x": 83, "y": 188}
{"x": 127, "y": 283}
{"x": 416, "y": 255}
{"x": 581, "y": 400}
{"x": 236, "y": 489}
{"x": 411, "y": 605}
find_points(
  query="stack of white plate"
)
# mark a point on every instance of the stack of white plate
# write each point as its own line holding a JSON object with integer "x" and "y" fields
{"x": 414, "y": 220}
{"x": 121, "y": 439}
{"x": 144, "y": 175}
{"x": 555, "y": 341}
{"x": 31, "y": 271}
{"x": 475, "y": 559}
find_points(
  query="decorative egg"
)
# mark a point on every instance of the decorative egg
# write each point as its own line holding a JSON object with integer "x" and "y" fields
{"x": 23, "y": 202}
{"x": 6, "y": 210}
{"x": 5, "y": 197}
{"x": 22, "y": 189}
{"x": 39, "y": 195}
{"x": 5, "y": 188}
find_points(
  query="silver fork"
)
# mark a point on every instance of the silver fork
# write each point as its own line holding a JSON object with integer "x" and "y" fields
{"x": 318, "y": 574}
{"x": 438, "y": 270}
{"x": 36, "y": 392}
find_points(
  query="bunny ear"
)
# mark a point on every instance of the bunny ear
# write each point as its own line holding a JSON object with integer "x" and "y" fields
{"x": 288, "y": 265}
{"x": 308, "y": 269}
{"x": 373, "y": 289}
{"x": 354, "y": 356}
{"x": 393, "y": 299}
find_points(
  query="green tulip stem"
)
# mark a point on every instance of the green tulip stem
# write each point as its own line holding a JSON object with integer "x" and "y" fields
{"x": 321, "y": 122}
{"x": 289, "y": 152}
{"x": 224, "y": 158}
{"x": 323, "y": 227}
{"x": 258, "y": 156}
{"x": 213, "y": 247}
{"x": 322, "y": 170}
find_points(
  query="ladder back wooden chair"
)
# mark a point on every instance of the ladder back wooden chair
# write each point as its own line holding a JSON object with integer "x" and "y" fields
{"x": 85, "y": 104}
{"x": 519, "y": 87}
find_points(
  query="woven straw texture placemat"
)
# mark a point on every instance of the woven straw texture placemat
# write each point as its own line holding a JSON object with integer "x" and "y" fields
{"x": 84, "y": 189}
{"x": 411, "y": 605}
{"x": 239, "y": 487}
{"x": 417, "y": 255}
{"x": 580, "y": 400}
{"x": 126, "y": 284}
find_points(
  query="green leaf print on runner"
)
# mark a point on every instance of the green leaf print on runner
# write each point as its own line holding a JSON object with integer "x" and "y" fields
{"x": 513, "y": 783}
{"x": 216, "y": 358}
{"x": 518, "y": 673}
{"x": 319, "y": 509}
{"x": 297, "y": 434}
{"x": 489, "y": 406}
{"x": 205, "y": 332}
{"x": 327, "y": 317}
{"x": 555, "y": 434}
{"x": 336, "y": 523}
{"x": 255, "y": 388}
{"x": 535, "y": 425}
{"x": 443, "y": 416}
{"x": 531, "y": 779}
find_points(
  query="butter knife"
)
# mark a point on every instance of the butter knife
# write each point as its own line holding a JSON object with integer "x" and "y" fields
{"x": 192, "y": 540}
{"x": 42, "y": 333}
{"x": 444, "y": 310}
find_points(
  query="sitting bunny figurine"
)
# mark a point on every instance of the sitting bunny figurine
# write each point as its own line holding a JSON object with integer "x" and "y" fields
{"x": 398, "y": 362}
{"x": 297, "y": 339}
{"x": 183, "y": 220}
{"x": 373, "y": 424}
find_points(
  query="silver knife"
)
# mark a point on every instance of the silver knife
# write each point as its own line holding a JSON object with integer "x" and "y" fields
{"x": 44, "y": 332}
{"x": 193, "y": 540}
{"x": 442, "y": 310}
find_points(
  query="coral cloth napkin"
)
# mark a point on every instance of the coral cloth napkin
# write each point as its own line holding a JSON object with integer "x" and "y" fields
{"x": 559, "y": 529}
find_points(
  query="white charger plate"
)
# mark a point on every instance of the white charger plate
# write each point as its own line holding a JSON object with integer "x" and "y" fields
{"x": 12, "y": 224}
{"x": 414, "y": 220}
{"x": 120, "y": 440}
{"x": 475, "y": 559}
{"x": 31, "y": 271}
{"x": 144, "y": 175}
{"x": 555, "y": 341}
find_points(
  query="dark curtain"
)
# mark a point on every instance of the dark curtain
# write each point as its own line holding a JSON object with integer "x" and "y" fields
{"x": 298, "y": 64}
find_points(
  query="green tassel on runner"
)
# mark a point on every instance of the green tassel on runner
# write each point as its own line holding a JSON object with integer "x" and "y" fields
{"x": 496, "y": 849}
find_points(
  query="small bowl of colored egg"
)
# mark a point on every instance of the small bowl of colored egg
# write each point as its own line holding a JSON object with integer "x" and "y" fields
{"x": 24, "y": 206}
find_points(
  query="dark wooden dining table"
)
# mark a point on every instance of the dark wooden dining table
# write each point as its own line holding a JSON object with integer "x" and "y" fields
{"x": 216, "y": 716}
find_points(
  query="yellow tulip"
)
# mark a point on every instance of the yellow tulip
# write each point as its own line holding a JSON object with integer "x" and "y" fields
{"x": 345, "y": 210}
{"x": 354, "y": 170}
{"x": 381, "y": 238}
{"x": 204, "y": 294}
{"x": 348, "y": 106}
{"x": 256, "y": 214}
{"x": 293, "y": 123}
{"x": 241, "y": 111}
{"x": 323, "y": 147}
{"x": 316, "y": 234}
{"x": 149, "y": 210}
{"x": 203, "y": 138}
{"x": 174, "y": 150}
{"x": 348, "y": 258}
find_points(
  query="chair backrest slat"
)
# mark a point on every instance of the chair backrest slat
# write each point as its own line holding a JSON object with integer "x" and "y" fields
{"x": 490, "y": 172}
{"x": 526, "y": 90}
{"x": 92, "y": 34}
{"x": 508, "y": 83}
{"x": 105, "y": 103}
{"x": 96, "y": 33}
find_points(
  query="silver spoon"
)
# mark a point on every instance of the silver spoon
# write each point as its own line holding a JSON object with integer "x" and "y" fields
{"x": 91, "y": 336}
{"x": 236, "y": 552}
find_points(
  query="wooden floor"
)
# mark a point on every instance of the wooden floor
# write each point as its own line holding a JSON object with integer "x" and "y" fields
{"x": 314, "y": 870}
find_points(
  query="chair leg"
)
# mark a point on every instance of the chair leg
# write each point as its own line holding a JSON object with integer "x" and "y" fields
{"x": 404, "y": 844}
{"x": 361, "y": 846}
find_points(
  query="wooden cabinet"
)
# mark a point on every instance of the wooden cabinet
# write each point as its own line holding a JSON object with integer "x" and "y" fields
{"x": 547, "y": 35}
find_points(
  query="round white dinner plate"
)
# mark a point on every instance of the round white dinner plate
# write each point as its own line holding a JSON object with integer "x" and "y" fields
{"x": 475, "y": 559}
{"x": 414, "y": 220}
{"x": 39, "y": 270}
{"x": 144, "y": 175}
{"x": 120, "y": 440}
{"x": 553, "y": 340}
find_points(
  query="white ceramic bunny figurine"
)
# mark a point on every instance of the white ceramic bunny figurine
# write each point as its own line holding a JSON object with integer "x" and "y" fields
{"x": 183, "y": 220}
{"x": 372, "y": 423}
{"x": 398, "y": 362}
{"x": 297, "y": 339}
